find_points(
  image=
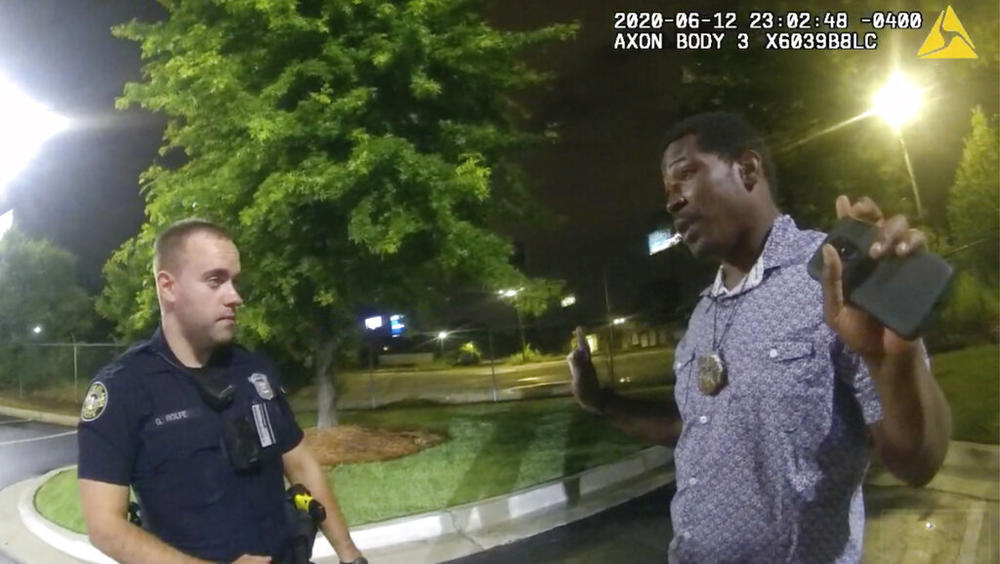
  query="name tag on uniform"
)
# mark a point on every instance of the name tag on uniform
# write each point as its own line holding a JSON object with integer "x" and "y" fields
{"x": 165, "y": 420}
{"x": 263, "y": 422}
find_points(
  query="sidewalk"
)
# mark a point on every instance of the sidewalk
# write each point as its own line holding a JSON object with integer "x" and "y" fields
{"x": 430, "y": 537}
{"x": 954, "y": 518}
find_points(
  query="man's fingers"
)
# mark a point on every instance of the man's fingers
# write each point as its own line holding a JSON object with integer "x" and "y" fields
{"x": 843, "y": 205}
{"x": 890, "y": 235}
{"x": 865, "y": 209}
{"x": 833, "y": 285}
{"x": 912, "y": 240}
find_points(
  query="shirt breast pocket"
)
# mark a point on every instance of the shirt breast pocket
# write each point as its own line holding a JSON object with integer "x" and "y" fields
{"x": 779, "y": 387}
{"x": 790, "y": 360}
{"x": 188, "y": 468}
{"x": 802, "y": 389}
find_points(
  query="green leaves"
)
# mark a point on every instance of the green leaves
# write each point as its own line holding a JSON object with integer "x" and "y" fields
{"x": 39, "y": 287}
{"x": 974, "y": 201}
{"x": 349, "y": 146}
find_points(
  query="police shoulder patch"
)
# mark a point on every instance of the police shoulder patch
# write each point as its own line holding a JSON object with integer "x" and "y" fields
{"x": 94, "y": 402}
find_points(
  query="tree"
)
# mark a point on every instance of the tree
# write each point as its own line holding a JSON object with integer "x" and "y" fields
{"x": 39, "y": 288}
{"x": 974, "y": 201}
{"x": 358, "y": 150}
{"x": 974, "y": 222}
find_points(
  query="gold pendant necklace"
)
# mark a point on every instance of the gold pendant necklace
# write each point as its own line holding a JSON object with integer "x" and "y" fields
{"x": 712, "y": 373}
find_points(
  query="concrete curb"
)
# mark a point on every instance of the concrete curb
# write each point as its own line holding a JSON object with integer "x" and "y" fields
{"x": 64, "y": 540}
{"x": 480, "y": 525}
{"x": 54, "y": 418}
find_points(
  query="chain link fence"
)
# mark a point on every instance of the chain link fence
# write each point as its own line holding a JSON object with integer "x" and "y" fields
{"x": 56, "y": 373}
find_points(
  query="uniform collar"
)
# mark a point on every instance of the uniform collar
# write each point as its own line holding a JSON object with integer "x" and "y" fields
{"x": 158, "y": 343}
{"x": 778, "y": 251}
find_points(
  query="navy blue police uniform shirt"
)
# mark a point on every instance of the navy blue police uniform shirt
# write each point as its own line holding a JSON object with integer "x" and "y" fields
{"x": 143, "y": 424}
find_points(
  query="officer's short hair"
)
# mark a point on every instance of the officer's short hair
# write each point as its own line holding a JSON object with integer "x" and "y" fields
{"x": 171, "y": 240}
{"x": 727, "y": 135}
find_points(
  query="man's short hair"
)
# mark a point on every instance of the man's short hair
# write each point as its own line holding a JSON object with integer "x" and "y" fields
{"x": 727, "y": 135}
{"x": 170, "y": 242}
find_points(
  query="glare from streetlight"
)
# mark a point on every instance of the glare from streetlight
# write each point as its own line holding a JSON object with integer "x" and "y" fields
{"x": 26, "y": 126}
{"x": 6, "y": 222}
{"x": 619, "y": 320}
{"x": 898, "y": 101}
{"x": 508, "y": 293}
{"x": 443, "y": 335}
{"x": 37, "y": 330}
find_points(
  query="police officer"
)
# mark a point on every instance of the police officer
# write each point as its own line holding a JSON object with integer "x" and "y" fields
{"x": 200, "y": 428}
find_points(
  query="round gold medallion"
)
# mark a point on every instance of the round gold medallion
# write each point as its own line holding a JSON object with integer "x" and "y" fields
{"x": 711, "y": 374}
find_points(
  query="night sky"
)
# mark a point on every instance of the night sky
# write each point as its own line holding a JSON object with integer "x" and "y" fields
{"x": 602, "y": 179}
{"x": 81, "y": 190}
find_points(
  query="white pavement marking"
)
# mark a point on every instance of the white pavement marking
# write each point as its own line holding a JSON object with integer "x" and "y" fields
{"x": 970, "y": 541}
{"x": 14, "y": 421}
{"x": 8, "y": 443}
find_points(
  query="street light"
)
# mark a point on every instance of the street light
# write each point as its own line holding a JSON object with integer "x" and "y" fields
{"x": 37, "y": 330}
{"x": 897, "y": 103}
{"x": 6, "y": 222}
{"x": 26, "y": 126}
{"x": 442, "y": 335}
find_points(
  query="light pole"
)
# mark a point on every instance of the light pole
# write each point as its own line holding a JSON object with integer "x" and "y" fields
{"x": 897, "y": 103}
{"x": 611, "y": 328}
{"x": 493, "y": 370}
{"x": 511, "y": 294}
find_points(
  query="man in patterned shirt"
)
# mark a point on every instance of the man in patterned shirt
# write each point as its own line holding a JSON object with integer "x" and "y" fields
{"x": 781, "y": 385}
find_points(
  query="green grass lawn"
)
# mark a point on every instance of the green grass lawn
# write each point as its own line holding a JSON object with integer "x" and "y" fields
{"x": 59, "y": 501}
{"x": 970, "y": 379}
{"x": 491, "y": 449}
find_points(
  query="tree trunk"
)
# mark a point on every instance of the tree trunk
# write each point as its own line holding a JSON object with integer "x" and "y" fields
{"x": 326, "y": 392}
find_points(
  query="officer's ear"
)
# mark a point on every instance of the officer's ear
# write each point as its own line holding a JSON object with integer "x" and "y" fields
{"x": 166, "y": 286}
{"x": 749, "y": 166}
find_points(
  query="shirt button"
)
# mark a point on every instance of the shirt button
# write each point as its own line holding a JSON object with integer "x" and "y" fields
{"x": 686, "y": 535}
{"x": 703, "y": 419}
{"x": 693, "y": 481}
{"x": 773, "y": 353}
{"x": 677, "y": 367}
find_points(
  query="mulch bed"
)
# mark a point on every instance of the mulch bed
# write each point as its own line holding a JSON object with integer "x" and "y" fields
{"x": 345, "y": 444}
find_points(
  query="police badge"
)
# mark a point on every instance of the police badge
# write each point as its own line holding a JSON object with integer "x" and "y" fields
{"x": 95, "y": 402}
{"x": 262, "y": 385}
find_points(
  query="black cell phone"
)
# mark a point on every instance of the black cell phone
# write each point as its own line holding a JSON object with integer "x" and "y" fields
{"x": 900, "y": 292}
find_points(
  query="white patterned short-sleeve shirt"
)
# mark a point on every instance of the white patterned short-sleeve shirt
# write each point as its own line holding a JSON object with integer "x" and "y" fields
{"x": 770, "y": 468}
